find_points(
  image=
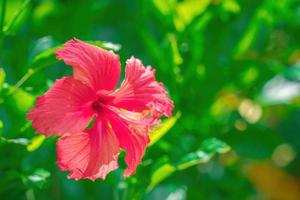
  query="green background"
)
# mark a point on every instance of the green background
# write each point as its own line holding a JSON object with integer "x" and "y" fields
{"x": 232, "y": 68}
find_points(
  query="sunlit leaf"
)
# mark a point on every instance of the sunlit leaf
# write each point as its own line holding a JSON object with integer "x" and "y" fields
{"x": 160, "y": 174}
{"x": 165, "y": 126}
{"x": 187, "y": 10}
{"x": 18, "y": 99}
{"x": 177, "y": 59}
{"x": 165, "y": 6}
{"x": 35, "y": 143}
{"x": 250, "y": 75}
{"x": 231, "y": 6}
{"x": 2, "y": 78}
{"x": 44, "y": 9}
{"x": 248, "y": 38}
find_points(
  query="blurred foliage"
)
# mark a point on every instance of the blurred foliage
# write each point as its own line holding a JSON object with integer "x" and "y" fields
{"x": 232, "y": 68}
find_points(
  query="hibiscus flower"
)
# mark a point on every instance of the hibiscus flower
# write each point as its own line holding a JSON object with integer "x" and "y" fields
{"x": 94, "y": 119}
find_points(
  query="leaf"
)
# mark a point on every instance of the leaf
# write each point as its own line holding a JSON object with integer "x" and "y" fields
{"x": 213, "y": 145}
{"x": 106, "y": 45}
{"x": 160, "y": 174}
{"x": 177, "y": 59}
{"x": 264, "y": 17}
{"x": 18, "y": 100}
{"x": 283, "y": 88}
{"x": 193, "y": 159}
{"x": 40, "y": 45}
{"x": 39, "y": 177}
{"x": 35, "y": 143}
{"x": 46, "y": 57}
{"x": 231, "y": 6}
{"x": 187, "y": 10}
{"x": 2, "y": 78}
{"x": 21, "y": 141}
{"x": 248, "y": 37}
{"x": 169, "y": 192}
{"x": 165, "y": 126}
{"x": 165, "y": 6}
{"x": 292, "y": 73}
{"x": 208, "y": 149}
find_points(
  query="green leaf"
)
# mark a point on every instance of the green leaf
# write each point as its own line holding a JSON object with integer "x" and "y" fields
{"x": 292, "y": 73}
{"x": 21, "y": 141}
{"x": 208, "y": 149}
{"x": 248, "y": 38}
{"x": 160, "y": 174}
{"x": 193, "y": 159}
{"x": 35, "y": 143}
{"x": 165, "y": 6}
{"x": 18, "y": 100}
{"x": 213, "y": 145}
{"x": 2, "y": 78}
{"x": 187, "y": 10}
{"x": 177, "y": 59}
{"x": 39, "y": 177}
{"x": 106, "y": 45}
{"x": 265, "y": 16}
{"x": 282, "y": 88}
{"x": 45, "y": 57}
{"x": 231, "y": 6}
{"x": 1, "y": 125}
{"x": 165, "y": 126}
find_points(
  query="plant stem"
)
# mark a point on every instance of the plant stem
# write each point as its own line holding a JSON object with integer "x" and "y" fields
{"x": 3, "y": 9}
{"x": 12, "y": 22}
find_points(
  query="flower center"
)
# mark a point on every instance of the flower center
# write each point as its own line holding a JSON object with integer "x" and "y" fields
{"x": 103, "y": 100}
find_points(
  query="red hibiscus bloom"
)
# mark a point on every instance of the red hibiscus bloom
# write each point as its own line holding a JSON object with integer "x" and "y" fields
{"x": 121, "y": 117}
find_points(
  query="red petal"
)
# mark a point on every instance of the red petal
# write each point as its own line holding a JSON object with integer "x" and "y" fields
{"x": 131, "y": 130}
{"x": 91, "y": 154}
{"x": 140, "y": 91}
{"x": 65, "y": 108}
{"x": 98, "y": 68}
